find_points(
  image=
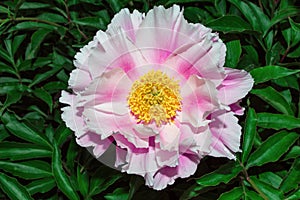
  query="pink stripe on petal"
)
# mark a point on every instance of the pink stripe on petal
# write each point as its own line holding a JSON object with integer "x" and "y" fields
{"x": 129, "y": 22}
{"x": 198, "y": 99}
{"x": 226, "y": 133}
{"x": 235, "y": 86}
{"x": 92, "y": 139}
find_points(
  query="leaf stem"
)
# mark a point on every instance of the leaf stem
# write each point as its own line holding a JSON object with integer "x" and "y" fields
{"x": 285, "y": 54}
{"x": 254, "y": 186}
{"x": 32, "y": 19}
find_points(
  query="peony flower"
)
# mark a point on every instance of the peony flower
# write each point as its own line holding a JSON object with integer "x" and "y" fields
{"x": 152, "y": 93}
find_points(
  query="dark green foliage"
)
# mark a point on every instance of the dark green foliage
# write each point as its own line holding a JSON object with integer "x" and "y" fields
{"x": 39, "y": 158}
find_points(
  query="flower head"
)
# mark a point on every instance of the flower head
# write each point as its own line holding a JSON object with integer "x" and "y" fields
{"x": 153, "y": 88}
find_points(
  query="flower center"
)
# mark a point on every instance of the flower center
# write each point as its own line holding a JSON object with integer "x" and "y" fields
{"x": 155, "y": 98}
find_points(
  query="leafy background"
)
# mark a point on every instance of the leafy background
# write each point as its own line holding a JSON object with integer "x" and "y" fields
{"x": 39, "y": 158}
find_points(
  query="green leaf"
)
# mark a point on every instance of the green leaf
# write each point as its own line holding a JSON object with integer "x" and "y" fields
{"x": 229, "y": 24}
{"x": 275, "y": 99}
{"x": 234, "y": 194}
{"x": 117, "y": 5}
{"x": 4, "y": 134}
{"x": 249, "y": 134}
{"x": 295, "y": 53}
{"x": 23, "y": 131}
{"x": 36, "y": 41}
{"x": 288, "y": 81}
{"x": 31, "y": 25}
{"x": 233, "y": 53}
{"x": 284, "y": 14}
{"x": 272, "y": 149}
{"x": 268, "y": 190}
{"x": 273, "y": 54}
{"x": 12, "y": 188}
{"x": 60, "y": 176}
{"x": 292, "y": 180}
{"x": 293, "y": 153}
{"x": 17, "y": 42}
{"x": 256, "y": 17}
{"x": 52, "y": 17}
{"x": 45, "y": 96}
{"x": 294, "y": 196}
{"x": 277, "y": 121}
{"x": 135, "y": 183}
{"x": 251, "y": 195}
{"x": 34, "y": 5}
{"x": 83, "y": 181}
{"x": 193, "y": 14}
{"x": 41, "y": 186}
{"x": 263, "y": 74}
{"x": 44, "y": 76}
{"x": 100, "y": 182}
{"x": 61, "y": 134}
{"x": 271, "y": 178}
{"x": 95, "y": 22}
{"x": 119, "y": 193}
{"x": 222, "y": 175}
{"x": 28, "y": 169}
{"x": 22, "y": 151}
{"x": 11, "y": 98}
{"x": 295, "y": 26}
{"x": 4, "y": 10}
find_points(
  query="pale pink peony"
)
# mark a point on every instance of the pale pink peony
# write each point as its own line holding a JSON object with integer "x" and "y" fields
{"x": 154, "y": 91}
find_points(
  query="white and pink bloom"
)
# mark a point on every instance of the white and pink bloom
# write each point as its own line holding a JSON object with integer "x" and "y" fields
{"x": 153, "y": 88}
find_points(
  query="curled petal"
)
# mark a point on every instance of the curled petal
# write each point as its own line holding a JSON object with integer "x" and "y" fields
{"x": 198, "y": 99}
{"x": 235, "y": 86}
{"x": 226, "y": 134}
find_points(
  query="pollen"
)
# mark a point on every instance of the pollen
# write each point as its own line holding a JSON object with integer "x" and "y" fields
{"x": 155, "y": 98}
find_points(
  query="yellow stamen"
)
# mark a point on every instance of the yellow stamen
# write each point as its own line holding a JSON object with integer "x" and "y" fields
{"x": 155, "y": 97}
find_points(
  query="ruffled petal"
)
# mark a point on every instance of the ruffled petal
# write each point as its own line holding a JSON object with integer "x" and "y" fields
{"x": 205, "y": 58}
{"x": 138, "y": 160}
{"x": 129, "y": 22}
{"x": 108, "y": 93}
{"x": 72, "y": 114}
{"x": 169, "y": 137}
{"x": 226, "y": 134}
{"x": 198, "y": 99}
{"x": 166, "y": 176}
{"x": 93, "y": 140}
{"x": 235, "y": 86}
{"x": 114, "y": 50}
{"x": 166, "y": 30}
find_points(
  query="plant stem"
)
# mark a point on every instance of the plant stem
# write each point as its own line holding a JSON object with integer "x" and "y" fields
{"x": 32, "y": 19}
{"x": 254, "y": 186}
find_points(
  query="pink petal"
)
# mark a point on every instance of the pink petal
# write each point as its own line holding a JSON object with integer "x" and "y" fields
{"x": 114, "y": 50}
{"x": 226, "y": 134}
{"x": 72, "y": 114}
{"x": 129, "y": 22}
{"x": 93, "y": 140}
{"x": 79, "y": 80}
{"x": 198, "y": 98}
{"x": 166, "y": 30}
{"x": 138, "y": 160}
{"x": 235, "y": 86}
{"x": 109, "y": 92}
{"x": 187, "y": 166}
{"x": 237, "y": 109}
{"x": 205, "y": 58}
{"x": 169, "y": 137}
